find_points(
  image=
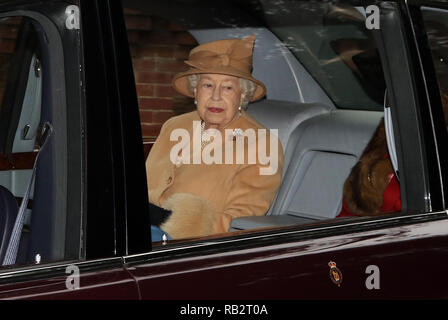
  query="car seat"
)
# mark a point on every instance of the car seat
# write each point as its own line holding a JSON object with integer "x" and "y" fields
{"x": 8, "y": 210}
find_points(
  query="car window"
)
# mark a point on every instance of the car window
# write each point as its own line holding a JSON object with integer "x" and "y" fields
{"x": 33, "y": 172}
{"x": 436, "y": 29}
{"x": 324, "y": 83}
{"x": 158, "y": 48}
{"x": 335, "y": 46}
{"x": 331, "y": 41}
{"x": 21, "y": 86}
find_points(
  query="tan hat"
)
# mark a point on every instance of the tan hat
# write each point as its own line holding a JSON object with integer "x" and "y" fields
{"x": 230, "y": 56}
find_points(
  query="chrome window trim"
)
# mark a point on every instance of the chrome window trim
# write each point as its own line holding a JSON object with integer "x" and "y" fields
{"x": 331, "y": 228}
{"x": 57, "y": 269}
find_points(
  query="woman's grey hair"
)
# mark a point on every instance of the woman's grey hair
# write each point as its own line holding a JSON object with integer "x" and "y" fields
{"x": 247, "y": 87}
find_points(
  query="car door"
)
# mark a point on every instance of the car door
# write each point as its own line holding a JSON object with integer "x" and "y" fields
{"x": 397, "y": 255}
{"x": 375, "y": 264}
{"x": 74, "y": 235}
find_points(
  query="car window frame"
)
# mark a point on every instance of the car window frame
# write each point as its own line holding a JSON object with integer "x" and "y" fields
{"x": 62, "y": 100}
{"x": 418, "y": 195}
{"x": 121, "y": 230}
{"x": 433, "y": 94}
{"x": 77, "y": 104}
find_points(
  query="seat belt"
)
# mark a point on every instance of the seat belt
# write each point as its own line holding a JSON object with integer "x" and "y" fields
{"x": 390, "y": 136}
{"x": 14, "y": 240}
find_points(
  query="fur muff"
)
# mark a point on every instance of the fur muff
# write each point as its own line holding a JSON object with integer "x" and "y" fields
{"x": 364, "y": 188}
{"x": 192, "y": 216}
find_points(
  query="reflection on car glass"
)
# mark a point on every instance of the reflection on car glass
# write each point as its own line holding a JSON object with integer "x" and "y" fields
{"x": 331, "y": 41}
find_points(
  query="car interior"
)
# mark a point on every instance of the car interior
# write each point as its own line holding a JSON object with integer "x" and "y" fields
{"x": 325, "y": 95}
{"x": 321, "y": 142}
{"x": 27, "y": 175}
{"x": 20, "y": 116}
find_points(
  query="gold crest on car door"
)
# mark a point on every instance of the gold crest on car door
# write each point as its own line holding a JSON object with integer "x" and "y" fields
{"x": 335, "y": 273}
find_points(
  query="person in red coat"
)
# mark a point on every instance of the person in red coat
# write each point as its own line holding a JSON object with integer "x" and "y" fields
{"x": 372, "y": 188}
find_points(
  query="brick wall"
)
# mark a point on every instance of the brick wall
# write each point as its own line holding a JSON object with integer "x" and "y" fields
{"x": 158, "y": 49}
{"x": 8, "y": 33}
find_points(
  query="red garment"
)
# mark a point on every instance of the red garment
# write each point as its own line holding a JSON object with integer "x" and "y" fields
{"x": 345, "y": 211}
{"x": 391, "y": 199}
{"x": 391, "y": 196}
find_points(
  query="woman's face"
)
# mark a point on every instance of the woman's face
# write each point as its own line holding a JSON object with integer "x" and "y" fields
{"x": 218, "y": 98}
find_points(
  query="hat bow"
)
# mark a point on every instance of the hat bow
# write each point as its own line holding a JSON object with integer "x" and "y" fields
{"x": 237, "y": 56}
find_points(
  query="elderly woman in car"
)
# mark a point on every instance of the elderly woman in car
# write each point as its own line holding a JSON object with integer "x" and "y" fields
{"x": 216, "y": 163}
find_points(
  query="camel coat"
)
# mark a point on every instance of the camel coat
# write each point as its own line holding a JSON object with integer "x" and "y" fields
{"x": 204, "y": 198}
